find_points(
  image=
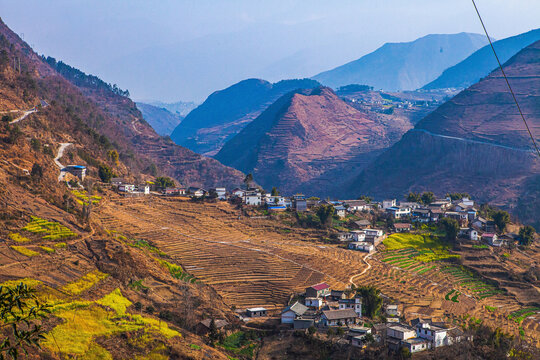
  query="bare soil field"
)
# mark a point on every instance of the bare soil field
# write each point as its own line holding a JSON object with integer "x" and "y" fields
{"x": 250, "y": 262}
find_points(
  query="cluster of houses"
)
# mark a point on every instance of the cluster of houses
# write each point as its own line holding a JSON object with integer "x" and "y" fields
{"x": 324, "y": 308}
{"x": 129, "y": 189}
{"x": 463, "y": 210}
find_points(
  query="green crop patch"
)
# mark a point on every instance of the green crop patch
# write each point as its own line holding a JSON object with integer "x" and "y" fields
{"x": 48, "y": 230}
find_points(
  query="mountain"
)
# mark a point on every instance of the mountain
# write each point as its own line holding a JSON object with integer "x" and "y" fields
{"x": 161, "y": 119}
{"x": 474, "y": 143}
{"x": 226, "y": 112}
{"x": 181, "y": 108}
{"x": 405, "y": 66}
{"x": 114, "y": 119}
{"x": 308, "y": 140}
{"x": 482, "y": 62}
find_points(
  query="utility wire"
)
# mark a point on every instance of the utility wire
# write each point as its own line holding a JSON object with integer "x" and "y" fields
{"x": 505, "y": 78}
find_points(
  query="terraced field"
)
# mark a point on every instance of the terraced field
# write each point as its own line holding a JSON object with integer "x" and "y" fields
{"x": 259, "y": 262}
{"x": 250, "y": 262}
{"x": 449, "y": 292}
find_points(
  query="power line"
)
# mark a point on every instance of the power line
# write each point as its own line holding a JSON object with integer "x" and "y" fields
{"x": 506, "y": 79}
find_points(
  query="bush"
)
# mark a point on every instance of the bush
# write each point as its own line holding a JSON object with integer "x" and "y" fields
{"x": 105, "y": 173}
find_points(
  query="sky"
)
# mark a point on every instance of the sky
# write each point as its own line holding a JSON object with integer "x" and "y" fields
{"x": 184, "y": 50}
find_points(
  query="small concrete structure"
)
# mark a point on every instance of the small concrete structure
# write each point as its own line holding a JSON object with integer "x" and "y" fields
{"x": 256, "y": 312}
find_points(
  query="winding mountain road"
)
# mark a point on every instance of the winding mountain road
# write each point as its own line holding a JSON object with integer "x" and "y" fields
{"x": 475, "y": 141}
{"x": 23, "y": 116}
{"x": 61, "y": 149}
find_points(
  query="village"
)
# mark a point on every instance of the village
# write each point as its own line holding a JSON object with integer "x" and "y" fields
{"x": 342, "y": 312}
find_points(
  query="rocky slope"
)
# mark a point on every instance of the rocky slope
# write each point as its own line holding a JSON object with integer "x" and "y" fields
{"x": 474, "y": 143}
{"x": 226, "y": 112}
{"x": 482, "y": 62}
{"x": 161, "y": 119}
{"x": 405, "y": 66}
{"x": 308, "y": 140}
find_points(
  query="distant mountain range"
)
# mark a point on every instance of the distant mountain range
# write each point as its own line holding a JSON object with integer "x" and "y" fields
{"x": 405, "y": 66}
{"x": 474, "y": 143}
{"x": 482, "y": 62}
{"x": 181, "y": 108}
{"x": 162, "y": 120}
{"x": 308, "y": 140}
{"x": 224, "y": 113}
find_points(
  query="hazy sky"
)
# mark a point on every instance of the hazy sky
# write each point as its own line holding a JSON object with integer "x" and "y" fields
{"x": 184, "y": 50}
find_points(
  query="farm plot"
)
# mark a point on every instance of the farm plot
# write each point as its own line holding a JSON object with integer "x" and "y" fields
{"x": 248, "y": 262}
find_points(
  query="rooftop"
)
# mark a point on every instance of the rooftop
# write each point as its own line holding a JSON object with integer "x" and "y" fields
{"x": 339, "y": 314}
{"x": 256, "y": 309}
{"x": 297, "y": 308}
{"x": 320, "y": 286}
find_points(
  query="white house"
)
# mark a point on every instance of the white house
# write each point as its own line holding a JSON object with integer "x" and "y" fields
{"x": 145, "y": 189}
{"x": 358, "y": 235}
{"x": 373, "y": 232}
{"x": 355, "y": 304}
{"x": 239, "y": 192}
{"x": 388, "y": 203}
{"x": 436, "y": 335}
{"x": 126, "y": 187}
{"x": 341, "y": 211}
{"x": 196, "y": 192}
{"x": 221, "y": 193}
{"x": 292, "y": 312}
{"x": 361, "y": 246}
{"x": 473, "y": 234}
{"x": 275, "y": 200}
{"x": 253, "y": 198}
{"x": 416, "y": 345}
{"x": 392, "y": 310}
{"x": 356, "y": 205}
{"x": 398, "y": 212}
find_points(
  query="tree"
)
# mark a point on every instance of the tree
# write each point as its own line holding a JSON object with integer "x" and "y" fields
{"x": 105, "y": 173}
{"x": 113, "y": 156}
{"x": 20, "y": 309}
{"x": 36, "y": 144}
{"x": 213, "y": 334}
{"x": 428, "y": 197}
{"x": 501, "y": 218}
{"x": 325, "y": 213}
{"x": 526, "y": 235}
{"x": 275, "y": 191}
{"x": 458, "y": 196}
{"x": 405, "y": 353}
{"x": 248, "y": 180}
{"x": 450, "y": 227}
{"x": 414, "y": 197}
{"x": 164, "y": 182}
{"x": 212, "y": 194}
{"x": 37, "y": 172}
{"x": 14, "y": 134}
{"x": 365, "y": 198}
{"x": 371, "y": 300}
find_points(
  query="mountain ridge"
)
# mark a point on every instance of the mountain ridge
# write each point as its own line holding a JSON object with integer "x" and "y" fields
{"x": 407, "y": 65}
{"x": 482, "y": 62}
{"x": 225, "y": 112}
{"x": 490, "y": 164}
